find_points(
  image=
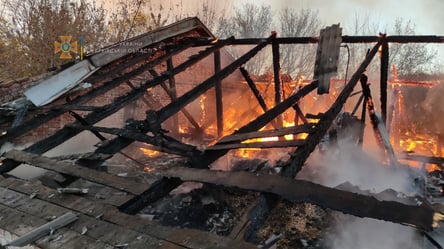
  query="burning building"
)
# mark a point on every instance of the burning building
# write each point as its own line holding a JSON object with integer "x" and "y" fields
{"x": 118, "y": 133}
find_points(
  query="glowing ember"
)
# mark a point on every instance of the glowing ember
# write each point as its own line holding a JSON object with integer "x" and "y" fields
{"x": 148, "y": 152}
{"x": 148, "y": 169}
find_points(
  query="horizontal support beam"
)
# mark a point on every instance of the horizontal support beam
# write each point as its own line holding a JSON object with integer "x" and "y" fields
{"x": 168, "y": 145}
{"x": 299, "y": 191}
{"x": 345, "y": 39}
{"x": 308, "y": 128}
{"x": 268, "y": 144}
{"x": 103, "y": 178}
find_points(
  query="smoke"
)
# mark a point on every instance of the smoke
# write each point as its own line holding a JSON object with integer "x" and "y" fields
{"x": 352, "y": 165}
{"x": 363, "y": 233}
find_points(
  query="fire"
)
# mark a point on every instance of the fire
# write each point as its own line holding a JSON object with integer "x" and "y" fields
{"x": 148, "y": 169}
{"x": 150, "y": 153}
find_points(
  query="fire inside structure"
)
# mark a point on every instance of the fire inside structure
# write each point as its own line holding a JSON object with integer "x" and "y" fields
{"x": 117, "y": 134}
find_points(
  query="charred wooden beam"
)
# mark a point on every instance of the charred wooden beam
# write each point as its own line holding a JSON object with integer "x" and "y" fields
{"x": 171, "y": 91}
{"x": 43, "y": 118}
{"x": 218, "y": 89}
{"x": 168, "y": 145}
{"x": 173, "y": 97}
{"x": 76, "y": 108}
{"x": 205, "y": 159}
{"x": 306, "y": 128}
{"x": 268, "y": 144}
{"x": 300, "y": 114}
{"x": 377, "y": 124}
{"x": 254, "y": 89}
{"x": 345, "y": 39}
{"x": 191, "y": 95}
{"x": 300, "y": 191}
{"x": 106, "y": 179}
{"x": 300, "y": 156}
{"x": 424, "y": 159}
{"x": 256, "y": 92}
{"x": 158, "y": 190}
{"x": 384, "y": 76}
{"x": 277, "y": 80}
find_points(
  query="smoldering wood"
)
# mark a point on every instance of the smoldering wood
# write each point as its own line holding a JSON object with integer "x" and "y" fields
{"x": 377, "y": 123}
{"x": 107, "y": 86}
{"x": 383, "y": 80}
{"x": 298, "y": 159}
{"x": 191, "y": 95}
{"x": 305, "y": 128}
{"x": 44, "y": 230}
{"x": 299, "y": 191}
{"x": 263, "y": 144}
{"x": 205, "y": 159}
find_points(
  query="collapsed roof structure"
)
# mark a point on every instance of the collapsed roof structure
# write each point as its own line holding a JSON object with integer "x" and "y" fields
{"x": 144, "y": 65}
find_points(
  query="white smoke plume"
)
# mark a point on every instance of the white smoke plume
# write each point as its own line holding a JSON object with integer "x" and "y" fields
{"x": 354, "y": 166}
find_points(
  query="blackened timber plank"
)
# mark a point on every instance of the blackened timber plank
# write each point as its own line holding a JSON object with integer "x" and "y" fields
{"x": 191, "y": 95}
{"x": 205, "y": 159}
{"x": 254, "y": 89}
{"x": 383, "y": 80}
{"x": 299, "y": 191}
{"x": 171, "y": 237}
{"x": 218, "y": 92}
{"x": 172, "y": 146}
{"x": 277, "y": 78}
{"x": 41, "y": 119}
{"x": 106, "y": 179}
{"x": 345, "y": 39}
{"x": 305, "y": 128}
{"x": 264, "y": 144}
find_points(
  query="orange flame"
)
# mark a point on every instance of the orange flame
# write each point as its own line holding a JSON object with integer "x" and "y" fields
{"x": 150, "y": 153}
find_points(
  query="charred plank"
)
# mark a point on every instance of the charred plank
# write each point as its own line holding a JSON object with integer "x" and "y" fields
{"x": 299, "y": 191}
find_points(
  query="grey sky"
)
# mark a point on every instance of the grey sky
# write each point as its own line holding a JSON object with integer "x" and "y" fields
{"x": 427, "y": 15}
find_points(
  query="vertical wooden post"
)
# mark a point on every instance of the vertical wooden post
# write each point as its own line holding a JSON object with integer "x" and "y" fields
{"x": 277, "y": 80}
{"x": 172, "y": 89}
{"x": 219, "y": 105}
{"x": 384, "y": 75}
